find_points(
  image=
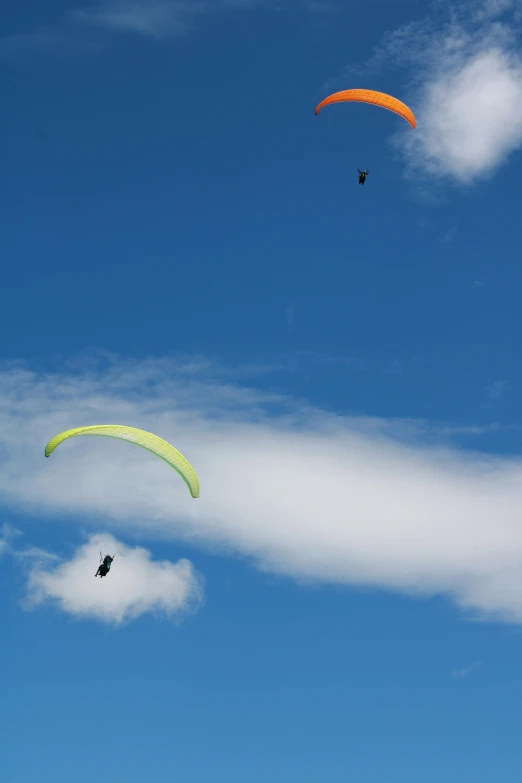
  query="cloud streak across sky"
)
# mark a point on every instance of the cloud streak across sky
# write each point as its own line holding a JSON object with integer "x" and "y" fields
{"x": 153, "y": 18}
{"x": 82, "y": 30}
{"x": 298, "y": 490}
{"x": 87, "y": 30}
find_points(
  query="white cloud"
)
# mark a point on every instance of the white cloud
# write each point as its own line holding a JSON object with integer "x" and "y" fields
{"x": 492, "y": 9}
{"x": 7, "y": 534}
{"x": 87, "y": 30}
{"x": 153, "y": 18}
{"x": 465, "y": 671}
{"x": 470, "y": 115}
{"x": 35, "y": 554}
{"x": 135, "y": 585}
{"x": 449, "y": 235}
{"x": 81, "y": 31}
{"x": 465, "y": 88}
{"x": 301, "y": 491}
{"x": 497, "y": 389}
{"x": 164, "y": 18}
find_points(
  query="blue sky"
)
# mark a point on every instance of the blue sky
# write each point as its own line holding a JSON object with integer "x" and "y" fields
{"x": 185, "y": 248}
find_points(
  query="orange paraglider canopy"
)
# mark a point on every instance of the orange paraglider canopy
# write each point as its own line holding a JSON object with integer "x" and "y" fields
{"x": 371, "y": 96}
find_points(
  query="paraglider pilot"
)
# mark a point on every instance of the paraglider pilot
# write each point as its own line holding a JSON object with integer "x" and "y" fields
{"x": 105, "y": 566}
{"x": 362, "y": 176}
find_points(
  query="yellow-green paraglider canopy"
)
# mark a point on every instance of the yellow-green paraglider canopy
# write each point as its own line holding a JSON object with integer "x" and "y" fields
{"x": 146, "y": 440}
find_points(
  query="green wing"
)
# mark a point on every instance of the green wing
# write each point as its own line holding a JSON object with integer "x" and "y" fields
{"x": 146, "y": 440}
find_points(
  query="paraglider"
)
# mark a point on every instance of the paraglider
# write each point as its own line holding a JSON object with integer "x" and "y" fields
{"x": 377, "y": 99}
{"x": 146, "y": 440}
{"x": 105, "y": 565}
{"x": 371, "y": 96}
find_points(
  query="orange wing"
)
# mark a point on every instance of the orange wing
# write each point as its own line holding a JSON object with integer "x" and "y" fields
{"x": 371, "y": 96}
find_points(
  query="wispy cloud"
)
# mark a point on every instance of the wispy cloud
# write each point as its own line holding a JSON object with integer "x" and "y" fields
{"x": 88, "y": 29}
{"x": 152, "y": 18}
{"x": 449, "y": 235}
{"x": 295, "y": 362}
{"x": 33, "y": 554}
{"x": 464, "y": 66}
{"x": 301, "y": 360}
{"x": 136, "y": 584}
{"x": 300, "y": 491}
{"x": 465, "y": 671}
{"x": 494, "y": 9}
{"x": 7, "y": 534}
{"x": 497, "y": 389}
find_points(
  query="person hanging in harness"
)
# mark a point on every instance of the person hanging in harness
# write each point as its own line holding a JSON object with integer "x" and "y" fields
{"x": 105, "y": 565}
{"x": 362, "y": 176}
